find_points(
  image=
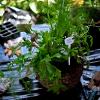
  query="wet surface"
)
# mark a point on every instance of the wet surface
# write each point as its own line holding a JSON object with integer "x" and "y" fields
{"x": 16, "y": 90}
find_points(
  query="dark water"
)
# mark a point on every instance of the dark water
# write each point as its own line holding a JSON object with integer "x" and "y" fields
{"x": 17, "y": 91}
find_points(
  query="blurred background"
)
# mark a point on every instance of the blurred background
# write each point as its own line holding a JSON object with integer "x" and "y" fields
{"x": 39, "y": 8}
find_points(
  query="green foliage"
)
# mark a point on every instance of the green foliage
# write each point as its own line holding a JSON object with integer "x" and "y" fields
{"x": 68, "y": 21}
{"x": 66, "y": 24}
{"x": 21, "y": 62}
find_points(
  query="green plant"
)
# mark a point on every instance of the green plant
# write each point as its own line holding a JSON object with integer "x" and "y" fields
{"x": 66, "y": 24}
{"x": 69, "y": 21}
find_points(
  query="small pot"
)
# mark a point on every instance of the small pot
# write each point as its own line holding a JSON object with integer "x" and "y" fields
{"x": 70, "y": 74}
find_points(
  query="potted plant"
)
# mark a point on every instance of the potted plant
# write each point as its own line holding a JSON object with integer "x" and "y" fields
{"x": 58, "y": 62}
{"x": 59, "y": 59}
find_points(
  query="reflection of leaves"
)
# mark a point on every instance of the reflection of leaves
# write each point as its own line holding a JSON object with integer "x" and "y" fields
{"x": 19, "y": 68}
{"x": 10, "y": 65}
{"x": 26, "y": 83}
{"x": 1, "y": 74}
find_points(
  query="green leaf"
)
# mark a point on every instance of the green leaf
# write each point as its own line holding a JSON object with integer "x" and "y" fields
{"x": 57, "y": 55}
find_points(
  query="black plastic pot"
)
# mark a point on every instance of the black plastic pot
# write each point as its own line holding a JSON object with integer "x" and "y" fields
{"x": 70, "y": 74}
{"x": 63, "y": 66}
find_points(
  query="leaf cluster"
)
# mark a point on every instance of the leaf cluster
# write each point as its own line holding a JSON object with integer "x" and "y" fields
{"x": 69, "y": 21}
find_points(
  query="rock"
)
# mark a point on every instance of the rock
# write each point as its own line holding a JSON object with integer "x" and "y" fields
{"x": 4, "y": 84}
{"x": 95, "y": 81}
